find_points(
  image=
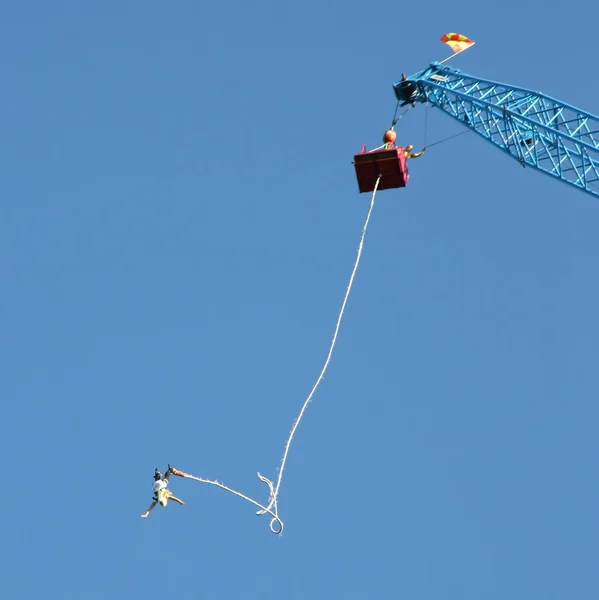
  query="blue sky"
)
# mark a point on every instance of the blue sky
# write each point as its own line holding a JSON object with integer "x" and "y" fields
{"x": 179, "y": 219}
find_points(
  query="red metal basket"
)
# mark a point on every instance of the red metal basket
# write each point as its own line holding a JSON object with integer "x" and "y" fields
{"x": 390, "y": 163}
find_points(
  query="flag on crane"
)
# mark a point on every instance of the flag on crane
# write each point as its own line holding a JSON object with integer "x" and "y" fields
{"x": 457, "y": 42}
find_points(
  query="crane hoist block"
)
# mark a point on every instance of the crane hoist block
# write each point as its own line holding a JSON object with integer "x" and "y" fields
{"x": 389, "y": 163}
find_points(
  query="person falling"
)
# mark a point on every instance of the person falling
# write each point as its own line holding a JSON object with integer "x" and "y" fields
{"x": 161, "y": 492}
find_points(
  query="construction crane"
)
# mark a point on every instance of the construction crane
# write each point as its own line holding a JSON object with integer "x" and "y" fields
{"x": 537, "y": 130}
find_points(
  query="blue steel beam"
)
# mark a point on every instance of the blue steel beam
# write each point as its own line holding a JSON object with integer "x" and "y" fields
{"x": 535, "y": 129}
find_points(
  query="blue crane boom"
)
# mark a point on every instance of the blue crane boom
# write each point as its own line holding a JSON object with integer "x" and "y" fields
{"x": 535, "y": 129}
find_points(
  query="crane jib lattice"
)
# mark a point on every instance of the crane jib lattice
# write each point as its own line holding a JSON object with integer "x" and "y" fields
{"x": 537, "y": 130}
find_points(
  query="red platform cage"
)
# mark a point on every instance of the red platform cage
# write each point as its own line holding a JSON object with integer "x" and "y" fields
{"x": 390, "y": 163}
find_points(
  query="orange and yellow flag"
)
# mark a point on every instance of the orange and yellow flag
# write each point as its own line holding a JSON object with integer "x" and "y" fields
{"x": 456, "y": 41}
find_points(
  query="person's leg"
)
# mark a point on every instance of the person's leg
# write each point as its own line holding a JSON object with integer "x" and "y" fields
{"x": 175, "y": 499}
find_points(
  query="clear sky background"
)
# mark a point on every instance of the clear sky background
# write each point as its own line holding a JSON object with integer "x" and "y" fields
{"x": 179, "y": 220}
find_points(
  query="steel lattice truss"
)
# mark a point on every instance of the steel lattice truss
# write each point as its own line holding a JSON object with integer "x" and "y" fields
{"x": 538, "y": 131}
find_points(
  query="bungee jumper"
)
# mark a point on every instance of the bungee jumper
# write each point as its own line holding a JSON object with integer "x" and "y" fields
{"x": 160, "y": 488}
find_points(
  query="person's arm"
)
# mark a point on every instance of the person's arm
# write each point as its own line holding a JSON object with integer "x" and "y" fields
{"x": 417, "y": 154}
{"x": 145, "y": 515}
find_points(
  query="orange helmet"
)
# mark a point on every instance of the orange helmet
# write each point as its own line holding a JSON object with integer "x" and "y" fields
{"x": 389, "y": 137}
